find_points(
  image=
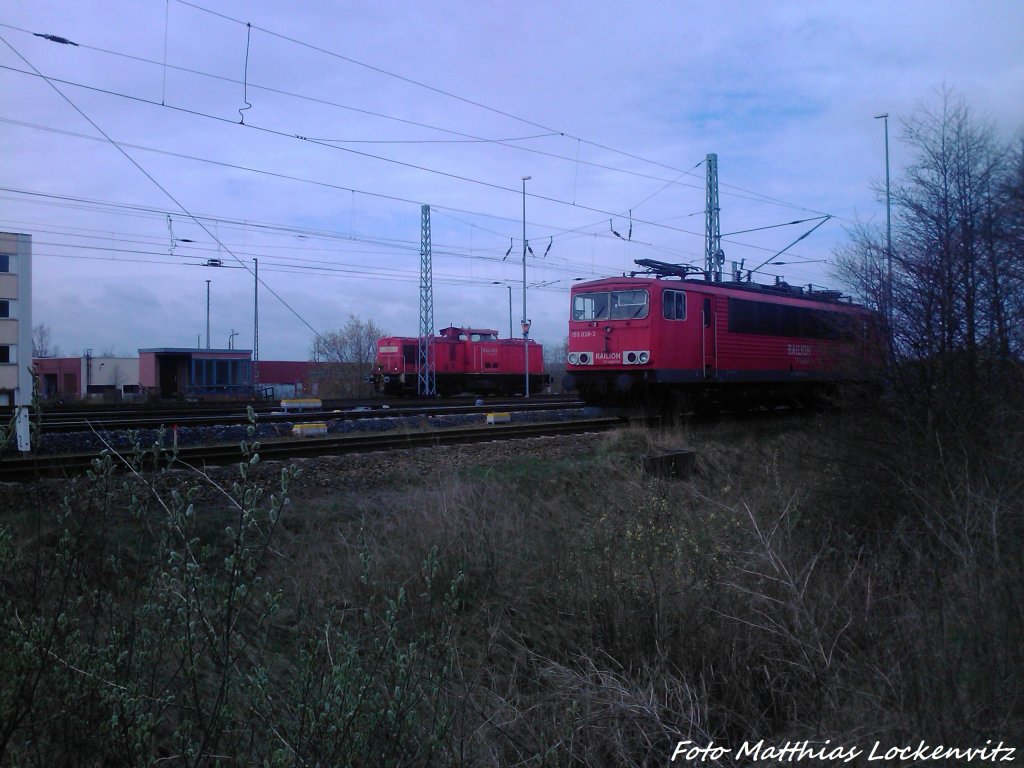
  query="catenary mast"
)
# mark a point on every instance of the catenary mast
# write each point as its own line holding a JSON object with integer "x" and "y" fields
{"x": 714, "y": 257}
{"x": 426, "y": 381}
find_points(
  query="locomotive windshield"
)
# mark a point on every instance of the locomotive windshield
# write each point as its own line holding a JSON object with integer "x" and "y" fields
{"x": 614, "y": 305}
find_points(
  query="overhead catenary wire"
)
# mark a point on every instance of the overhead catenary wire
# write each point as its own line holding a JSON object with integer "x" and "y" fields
{"x": 305, "y": 232}
{"x": 245, "y": 78}
{"x": 191, "y": 248}
{"x": 465, "y": 137}
{"x": 425, "y": 86}
{"x": 284, "y": 134}
{"x": 289, "y": 269}
{"x": 152, "y": 179}
{"x": 747, "y": 194}
{"x": 471, "y": 213}
{"x": 563, "y": 233}
{"x": 330, "y": 184}
{"x": 167, "y": 20}
{"x": 474, "y": 103}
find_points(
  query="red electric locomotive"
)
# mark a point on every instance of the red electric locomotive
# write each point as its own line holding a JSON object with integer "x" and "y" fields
{"x": 465, "y": 360}
{"x": 675, "y": 340}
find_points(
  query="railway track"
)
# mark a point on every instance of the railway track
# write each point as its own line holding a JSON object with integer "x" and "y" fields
{"x": 61, "y": 421}
{"x": 19, "y": 469}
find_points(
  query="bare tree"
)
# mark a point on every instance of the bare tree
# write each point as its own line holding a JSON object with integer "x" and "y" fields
{"x": 117, "y": 375}
{"x": 355, "y": 342}
{"x": 958, "y": 292}
{"x": 1012, "y": 244}
{"x": 554, "y": 362}
{"x": 42, "y": 338}
{"x": 110, "y": 351}
{"x": 345, "y": 356}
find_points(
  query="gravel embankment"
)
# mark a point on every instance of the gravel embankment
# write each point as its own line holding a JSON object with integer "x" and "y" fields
{"x": 122, "y": 440}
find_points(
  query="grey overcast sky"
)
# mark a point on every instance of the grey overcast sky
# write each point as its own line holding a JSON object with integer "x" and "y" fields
{"x": 308, "y": 135}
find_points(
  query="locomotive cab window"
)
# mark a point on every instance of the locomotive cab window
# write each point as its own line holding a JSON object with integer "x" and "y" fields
{"x": 673, "y": 305}
{"x": 590, "y": 306}
{"x": 617, "y": 305}
{"x": 629, "y": 305}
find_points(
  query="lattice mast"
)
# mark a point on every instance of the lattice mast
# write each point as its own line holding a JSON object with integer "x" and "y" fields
{"x": 714, "y": 256}
{"x": 426, "y": 380}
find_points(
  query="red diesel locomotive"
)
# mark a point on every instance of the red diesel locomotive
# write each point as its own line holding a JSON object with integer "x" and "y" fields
{"x": 465, "y": 360}
{"x": 676, "y": 341}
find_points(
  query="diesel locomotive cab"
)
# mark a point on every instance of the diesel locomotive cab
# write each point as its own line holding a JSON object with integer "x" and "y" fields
{"x": 464, "y": 360}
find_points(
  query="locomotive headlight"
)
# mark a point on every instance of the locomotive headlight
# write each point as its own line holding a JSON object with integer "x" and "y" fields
{"x": 631, "y": 357}
{"x": 635, "y": 357}
{"x": 644, "y": 357}
{"x": 586, "y": 358}
{"x": 574, "y": 359}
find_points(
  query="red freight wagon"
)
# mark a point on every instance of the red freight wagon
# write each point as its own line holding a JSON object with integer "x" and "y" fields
{"x": 465, "y": 360}
{"x": 672, "y": 340}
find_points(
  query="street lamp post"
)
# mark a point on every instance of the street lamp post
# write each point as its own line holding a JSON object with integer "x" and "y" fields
{"x": 256, "y": 324}
{"x": 888, "y": 226}
{"x": 525, "y": 323}
{"x": 207, "y": 314}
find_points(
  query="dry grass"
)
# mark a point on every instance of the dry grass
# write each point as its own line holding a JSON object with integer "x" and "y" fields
{"x": 805, "y": 583}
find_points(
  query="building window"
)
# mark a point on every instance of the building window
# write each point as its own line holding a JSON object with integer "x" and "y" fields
{"x": 5, "y": 308}
{"x": 8, "y": 353}
{"x": 5, "y": 262}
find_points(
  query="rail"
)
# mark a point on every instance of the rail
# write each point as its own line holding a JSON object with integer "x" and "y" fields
{"x": 23, "y": 469}
{"x": 84, "y": 421}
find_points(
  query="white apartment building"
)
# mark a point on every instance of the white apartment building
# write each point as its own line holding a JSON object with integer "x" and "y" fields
{"x": 16, "y": 327}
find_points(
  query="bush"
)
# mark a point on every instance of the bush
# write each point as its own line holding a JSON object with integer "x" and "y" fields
{"x": 808, "y": 582}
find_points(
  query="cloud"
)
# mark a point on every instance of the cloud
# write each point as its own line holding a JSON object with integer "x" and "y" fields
{"x": 357, "y": 119}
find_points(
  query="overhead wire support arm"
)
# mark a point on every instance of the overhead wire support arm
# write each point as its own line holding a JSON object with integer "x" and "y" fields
{"x": 775, "y": 226}
{"x": 805, "y": 234}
